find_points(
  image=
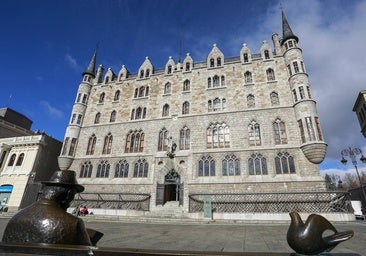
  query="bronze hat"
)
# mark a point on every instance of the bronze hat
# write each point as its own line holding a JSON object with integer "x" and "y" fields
{"x": 66, "y": 179}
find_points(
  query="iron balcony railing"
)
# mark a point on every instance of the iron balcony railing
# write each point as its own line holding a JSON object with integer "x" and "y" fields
{"x": 332, "y": 201}
{"x": 125, "y": 201}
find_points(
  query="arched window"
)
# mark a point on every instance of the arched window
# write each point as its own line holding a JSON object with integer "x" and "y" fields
{"x": 97, "y": 118}
{"x": 166, "y": 110}
{"x": 141, "y": 73}
{"x": 169, "y": 69}
{"x": 222, "y": 80}
{"x": 270, "y": 75}
{"x": 266, "y": 54}
{"x": 209, "y": 82}
{"x": 65, "y": 146}
{"x": 132, "y": 114}
{"x": 230, "y": 166}
{"x": 86, "y": 170}
{"x": 113, "y": 116}
{"x": 216, "y": 81}
{"x": 210, "y": 106}
{"x": 138, "y": 113}
{"x": 142, "y": 91}
{"x": 134, "y": 142}
{"x": 141, "y": 168}
{"x": 250, "y": 101}
{"x": 121, "y": 169}
{"x": 91, "y": 145}
{"x": 279, "y": 132}
{"x": 218, "y": 136}
{"x": 101, "y": 97}
{"x": 167, "y": 88}
{"x": 103, "y": 169}
{"x": 216, "y": 105}
{"x": 284, "y": 163}
{"x": 184, "y": 139}
{"x": 163, "y": 140}
{"x": 254, "y": 134}
{"x": 147, "y": 91}
{"x": 185, "y": 108}
{"x": 274, "y": 98}
{"x": 136, "y": 93}
{"x": 72, "y": 146}
{"x": 206, "y": 166}
{"x": 147, "y": 72}
{"x": 144, "y": 113}
{"x": 188, "y": 66}
{"x": 186, "y": 85}
{"x": 248, "y": 77}
{"x": 20, "y": 159}
{"x": 116, "y": 95}
{"x": 245, "y": 57}
{"x": 218, "y": 61}
{"x": 257, "y": 165}
{"x": 107, "y": 144}
{"x": 212, "y": 63}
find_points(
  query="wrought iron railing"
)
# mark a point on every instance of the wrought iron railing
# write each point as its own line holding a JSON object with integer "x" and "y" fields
{"x": 334, "y": 201}
{"x": 125, "y": 201}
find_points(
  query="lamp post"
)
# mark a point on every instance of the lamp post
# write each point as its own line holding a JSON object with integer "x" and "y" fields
{"x": 352, "y": 153}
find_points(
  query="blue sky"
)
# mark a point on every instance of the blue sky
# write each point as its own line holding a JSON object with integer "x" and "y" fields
{"x": 46, "y": 45}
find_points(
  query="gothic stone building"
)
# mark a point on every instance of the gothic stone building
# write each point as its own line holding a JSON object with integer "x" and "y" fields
{"x": 225, "y": 125}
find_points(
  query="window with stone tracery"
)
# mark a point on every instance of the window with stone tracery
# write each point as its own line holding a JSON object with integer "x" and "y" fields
{"x": 218, "y": 136}
{"x": 121, "y": 169}
{"x": 185, "y": 108}
{"x": 163, "y": 140}
{"x": 206, "y": 166}
{"x": 230, "y": 166}
{"x": 141, "y": 168}
{"x": 279, "y": 129}
{"x": 135, "y": 142}
{"x": 284, "y": 163}
{"x": 254, "y": 134}
{"x": 91, "y": 145}
{"x": 103, "y": 169}
{"x": 257, "y": 164}
{"x": 86, "y": 170}
{"x": 184, "y": 138}
{"x": 107, "y": 144}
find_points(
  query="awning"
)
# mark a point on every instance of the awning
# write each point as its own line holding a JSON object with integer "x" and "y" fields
{"x": 6, "y": 189}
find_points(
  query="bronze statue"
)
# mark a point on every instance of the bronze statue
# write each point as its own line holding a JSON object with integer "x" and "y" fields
{"x": 307, "y": 238}
{"x": 46, "y": 221}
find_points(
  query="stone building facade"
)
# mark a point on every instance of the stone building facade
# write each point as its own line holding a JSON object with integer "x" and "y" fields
{"x": 224, "y": 125}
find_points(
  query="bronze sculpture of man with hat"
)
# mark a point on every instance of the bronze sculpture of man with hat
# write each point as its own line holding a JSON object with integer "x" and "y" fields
{"x": 46, "y": 221}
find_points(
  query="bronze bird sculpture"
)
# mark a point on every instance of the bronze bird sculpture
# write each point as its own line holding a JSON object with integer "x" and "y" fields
{"x": 307, "y": 238}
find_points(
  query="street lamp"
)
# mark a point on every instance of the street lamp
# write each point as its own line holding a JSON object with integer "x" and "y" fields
{"x": 352, "y": 153}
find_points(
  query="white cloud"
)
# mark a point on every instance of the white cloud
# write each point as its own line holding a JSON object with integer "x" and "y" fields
{"x": 71, "y": 61}
{"x": 51, "y": 111}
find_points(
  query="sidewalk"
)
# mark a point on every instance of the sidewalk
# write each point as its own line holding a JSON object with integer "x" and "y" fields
{"x": 209, "y": 236}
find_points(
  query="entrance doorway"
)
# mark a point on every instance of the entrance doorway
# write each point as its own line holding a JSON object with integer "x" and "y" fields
{"x": 170, "y": 190}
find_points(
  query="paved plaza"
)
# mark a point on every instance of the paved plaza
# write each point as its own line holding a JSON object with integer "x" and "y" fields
{"x": 209, "y": 236}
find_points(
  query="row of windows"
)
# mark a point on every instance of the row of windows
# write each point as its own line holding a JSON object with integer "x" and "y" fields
{"x": 257, "y": 165}
{"x": 299, "y": 93}
{"x": 230, "y": 166}
{"x": 214, "y": 105}
{"x": 295, "y": 68}
{"x": 307, "y": 132}
{"x": 212, "y": 82}
{"x": 141, "y": 168}
{"x": 217, "y": 136}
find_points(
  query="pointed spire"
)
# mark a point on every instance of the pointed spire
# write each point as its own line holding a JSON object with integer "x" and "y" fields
{"x": 286, "y": 30}
{"x": 91, "y": 67}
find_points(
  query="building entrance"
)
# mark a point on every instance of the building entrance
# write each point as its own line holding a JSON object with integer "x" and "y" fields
{"x": 170, "y": 190}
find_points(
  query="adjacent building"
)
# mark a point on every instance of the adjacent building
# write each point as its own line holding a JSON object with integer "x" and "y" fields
{"x": 26, "y": 157}
{"x": 360, "y": 109}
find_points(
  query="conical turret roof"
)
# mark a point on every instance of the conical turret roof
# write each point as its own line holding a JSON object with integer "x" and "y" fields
{"x": 286, "y": 30}
{"x": 91, "y": 67}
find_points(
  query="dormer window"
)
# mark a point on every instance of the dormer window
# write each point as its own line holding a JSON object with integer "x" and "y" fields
{"x": 266, "y": 54}
{"x": 290, "y": 44}
{"x": 212, "y": 63}
{"x": 147, "y": 72}
{"x": 141, "y": 74}
{"x": 219, "y": 62}
{"x": 188, "y": 66}
{"x": 245, "y": 57}
{"x": 169, "y": 69}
